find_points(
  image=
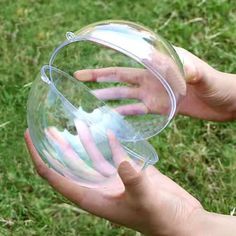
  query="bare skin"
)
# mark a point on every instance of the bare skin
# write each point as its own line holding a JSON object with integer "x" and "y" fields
{"x": 151, "y": 202}
{"x": 210, "y": 93}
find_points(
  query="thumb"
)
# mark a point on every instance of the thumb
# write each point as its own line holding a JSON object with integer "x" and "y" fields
{"x": 135, "y": 183}
{"x": 191, "y": 64}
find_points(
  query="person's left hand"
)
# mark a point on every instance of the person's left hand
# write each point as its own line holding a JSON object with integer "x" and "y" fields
{"x": 151, "y": 202}
{"x": 148, "y": 92}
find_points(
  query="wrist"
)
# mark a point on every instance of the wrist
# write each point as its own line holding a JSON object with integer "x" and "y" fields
{"x": 194, "y": 224}
{"x": 207, "y": 224}
{"x": 230, "y": 87}
{"x": 189, "y": 225}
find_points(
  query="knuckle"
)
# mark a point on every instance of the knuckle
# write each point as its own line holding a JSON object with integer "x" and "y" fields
{"x": 133, "y": 181}
{"x": 137, "y": 93}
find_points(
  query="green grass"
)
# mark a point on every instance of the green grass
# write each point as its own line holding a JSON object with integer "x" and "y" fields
{"x": 198, "y": 155}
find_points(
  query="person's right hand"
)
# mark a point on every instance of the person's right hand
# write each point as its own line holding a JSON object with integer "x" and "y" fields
{"x": 210, "y": 93}
{"x": 150, "y": 202}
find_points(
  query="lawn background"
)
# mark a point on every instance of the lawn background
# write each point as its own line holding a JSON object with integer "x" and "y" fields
{"x": 198, "y": 155}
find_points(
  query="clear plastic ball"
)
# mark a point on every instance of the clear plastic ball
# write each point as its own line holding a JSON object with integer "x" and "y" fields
{"x": 106, "y": 90}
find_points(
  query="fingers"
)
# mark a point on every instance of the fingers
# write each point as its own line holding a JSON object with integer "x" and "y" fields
{"x": 88, "y": 199}
{"x": 53, "y": 134}
{"x": 41, "y": 168}
{"x": 136, "y": 183}
{"x": 112, "y": 74}
{"x": 118, "y": 153}
{"x": 116, "y": 93}
{"x": 99, "y": 162}
{"x": 55, "y": 163}
{"x": 71, "y": 159}
{"x": 171, "y": 72}
{"x": 56, "y": 180}
{"x": 190, "y": 63}
{"x": 132, "y": 109}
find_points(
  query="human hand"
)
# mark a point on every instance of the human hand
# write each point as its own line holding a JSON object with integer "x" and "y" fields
{"x": 151, "y": 202}
{"x": 90, "y": 157}
{"x": 210, "y": 93}
{"x": 149, "y": 93}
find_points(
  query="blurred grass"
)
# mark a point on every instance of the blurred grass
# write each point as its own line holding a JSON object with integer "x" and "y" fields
{"x": 198, "y": 155}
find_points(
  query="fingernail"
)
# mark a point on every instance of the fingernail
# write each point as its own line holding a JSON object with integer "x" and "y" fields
{"x": 126, "y": 169}
{"x": 83, "y": 76}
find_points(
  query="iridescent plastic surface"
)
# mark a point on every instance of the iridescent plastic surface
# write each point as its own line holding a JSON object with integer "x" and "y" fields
{"x": 107, "y": 89}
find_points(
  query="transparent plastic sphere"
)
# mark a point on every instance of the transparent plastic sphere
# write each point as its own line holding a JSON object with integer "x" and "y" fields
{"x": 106, "y": 90}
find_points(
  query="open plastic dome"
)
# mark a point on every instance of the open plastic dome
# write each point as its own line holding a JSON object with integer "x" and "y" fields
{"x": 109, "y": 81}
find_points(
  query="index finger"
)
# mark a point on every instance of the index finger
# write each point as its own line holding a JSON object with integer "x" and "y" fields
{"x": 112, "y": 74}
